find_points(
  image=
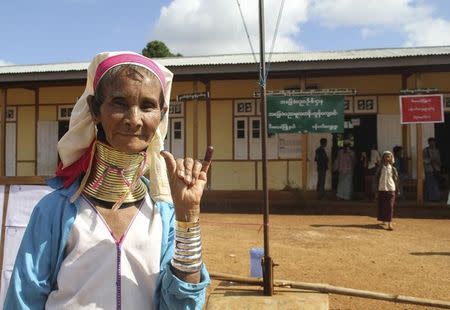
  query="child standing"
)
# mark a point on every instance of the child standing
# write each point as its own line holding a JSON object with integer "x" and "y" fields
{"x": 388, "y": 189}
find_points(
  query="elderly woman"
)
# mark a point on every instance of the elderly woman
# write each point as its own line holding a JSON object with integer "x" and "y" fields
{"x": 108, "y": 238}
{"x": 387, "y": 180}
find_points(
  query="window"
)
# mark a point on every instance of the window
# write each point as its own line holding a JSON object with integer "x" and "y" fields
{"x": 256, "y": 128}
{"x": 176, "y": 109}
{"x": 248, "y": 132}
{"x": 64, "y": 112}
{"x": 177, "y": 130}
{"x": 240, "y": 129}
{"x": 366, "y": 105}
{"x": 174, "y": 140}
{"x": 244, "y": 107}
{"x": 11, "y": 113}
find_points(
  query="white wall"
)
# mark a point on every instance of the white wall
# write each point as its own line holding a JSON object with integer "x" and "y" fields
{"x": 21, "y": 202}
{"x": 427, "y": 132}
{"x": 47, "y": 153}
{"x": 389, "y": 132}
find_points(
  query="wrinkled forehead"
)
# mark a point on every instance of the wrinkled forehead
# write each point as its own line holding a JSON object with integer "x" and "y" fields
{"x": 129, "y": 73}
{"x": 131, "y": 59}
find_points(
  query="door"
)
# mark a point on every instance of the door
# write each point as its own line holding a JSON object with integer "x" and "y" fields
{"x": 361, "y": 130}
{"x": 10, "y": 149}
{"x": 240, "y": 138}
{"x": 177, "y": 137}
{"x": 255, "y": 138}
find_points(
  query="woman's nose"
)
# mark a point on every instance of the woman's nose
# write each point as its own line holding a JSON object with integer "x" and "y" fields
{"x": 134, "y": 118}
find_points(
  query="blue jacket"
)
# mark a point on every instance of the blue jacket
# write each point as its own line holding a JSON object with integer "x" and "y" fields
{"x": 42, "y": 251}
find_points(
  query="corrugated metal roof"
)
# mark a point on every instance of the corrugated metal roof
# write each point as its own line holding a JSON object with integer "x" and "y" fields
{"x": 235, "y": 59}
{"x": 308, "y": 56}
{"x": 57, "y": 67}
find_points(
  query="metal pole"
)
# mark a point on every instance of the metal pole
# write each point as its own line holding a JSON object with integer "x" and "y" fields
{"x": 267, "y": 261}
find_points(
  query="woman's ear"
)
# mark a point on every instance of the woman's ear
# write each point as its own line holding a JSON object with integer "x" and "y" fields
{"x": 163, "y": 111}
{"x": 90, "y": 100}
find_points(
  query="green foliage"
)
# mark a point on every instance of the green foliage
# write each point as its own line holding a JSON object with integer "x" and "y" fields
{"x": 157, "y": 49}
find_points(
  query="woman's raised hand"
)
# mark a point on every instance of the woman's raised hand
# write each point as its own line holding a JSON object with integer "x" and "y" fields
{"x": 187, "y": 178}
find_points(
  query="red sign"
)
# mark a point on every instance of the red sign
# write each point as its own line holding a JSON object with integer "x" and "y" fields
{"x": 421, "y": 109}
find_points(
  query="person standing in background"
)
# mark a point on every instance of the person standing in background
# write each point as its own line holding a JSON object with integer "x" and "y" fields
{"x": 387, "y": 180}
{"x": 370, "y": 162}
{"x": 401, "y": 166}
{"x": 344, "y": 165}
{"x": 321, "y": 158}
{"x": 432, "y": 167}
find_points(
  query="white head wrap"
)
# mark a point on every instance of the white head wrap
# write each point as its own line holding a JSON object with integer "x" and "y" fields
{"x": 389, "y": 153}
{"x": 82, "y": 130}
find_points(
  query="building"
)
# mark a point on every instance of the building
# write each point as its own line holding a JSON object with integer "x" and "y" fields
{"x": 36, "y": 102}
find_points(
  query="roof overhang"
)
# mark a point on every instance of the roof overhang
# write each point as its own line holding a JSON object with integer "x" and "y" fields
{"x": 394, "y": 65}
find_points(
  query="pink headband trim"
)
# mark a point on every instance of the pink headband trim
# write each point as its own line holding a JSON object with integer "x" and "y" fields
{"x": 137, "y": 59}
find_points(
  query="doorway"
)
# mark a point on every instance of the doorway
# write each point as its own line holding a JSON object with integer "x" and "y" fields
{"x": 361, "y": 131}
{"x": 441, "y": 132}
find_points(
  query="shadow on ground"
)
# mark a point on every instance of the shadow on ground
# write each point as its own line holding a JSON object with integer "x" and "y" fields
{"x": 368, "y": 226}
{"x": 403, "y": 209}
{"x": 430, "y": 253}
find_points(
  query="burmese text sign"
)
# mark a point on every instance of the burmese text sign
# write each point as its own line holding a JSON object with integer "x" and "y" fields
{"x": 304, "y": 114}
{"x": 421, "y": 109}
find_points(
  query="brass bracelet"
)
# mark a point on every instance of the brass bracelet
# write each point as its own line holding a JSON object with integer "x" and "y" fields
{"x": 187, "y": 224}
{"x": 184, "y": 234}
{"x": 188, "y": 259}
{"x": 188, "y": 240}
{"x": 187, "y": 246}
{"x": 192, "y": 251}
{"x": 186, "y": 268}
{"x": 188, "y": 230}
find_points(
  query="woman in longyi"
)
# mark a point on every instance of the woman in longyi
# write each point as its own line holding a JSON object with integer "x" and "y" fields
{"x": 388, "y": 189}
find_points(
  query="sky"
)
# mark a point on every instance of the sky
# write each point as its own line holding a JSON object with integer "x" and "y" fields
{"x": 56, "y": 31}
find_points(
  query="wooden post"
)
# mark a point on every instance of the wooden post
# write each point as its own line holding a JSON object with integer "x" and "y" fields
{"x": 305, "y": 161}
{"x": 304, "y": 146}
{"x": 36, "y": 120}
{"x": 195, "y": 133}
{"x": 405, "y": 131}
{"x": 208, "y": 127}
{"x": 419, "y": 163}
{"x": 419, "y": 147}
{"x": 3, "y": 132}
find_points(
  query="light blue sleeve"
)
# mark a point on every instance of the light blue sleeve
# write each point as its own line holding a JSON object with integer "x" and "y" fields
{"x": 173, "y": 293}
{"x": 40, "y": 254}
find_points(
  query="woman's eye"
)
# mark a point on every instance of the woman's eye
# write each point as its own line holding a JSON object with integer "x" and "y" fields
{"x": 119, "y": 102}
{"x": 148, "y": 105}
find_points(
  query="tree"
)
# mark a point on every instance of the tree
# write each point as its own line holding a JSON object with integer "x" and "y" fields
{"x": 157, "y": 49}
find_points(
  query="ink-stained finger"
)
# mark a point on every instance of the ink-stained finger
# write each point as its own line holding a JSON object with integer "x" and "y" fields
{"x": 207, "y": 159}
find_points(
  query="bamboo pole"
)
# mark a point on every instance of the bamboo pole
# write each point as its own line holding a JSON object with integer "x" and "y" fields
{"x": 331, "y": 289}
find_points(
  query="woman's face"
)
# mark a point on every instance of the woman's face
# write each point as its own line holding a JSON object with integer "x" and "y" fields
{"x": 387, "y": 159}
{"x": 130, "y": 113}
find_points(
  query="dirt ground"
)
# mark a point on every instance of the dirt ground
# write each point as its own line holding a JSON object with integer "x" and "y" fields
{"x": 349, "y": 251}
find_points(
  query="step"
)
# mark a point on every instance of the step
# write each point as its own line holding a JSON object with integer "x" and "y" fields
{"x": 239, "y": 297}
